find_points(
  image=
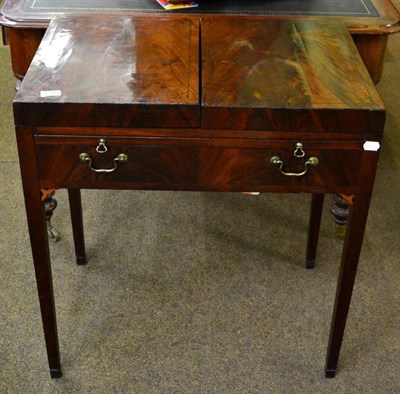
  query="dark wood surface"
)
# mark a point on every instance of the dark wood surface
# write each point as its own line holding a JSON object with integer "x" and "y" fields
{"x": 160, "y": 88}
{"x": 244, "y": 71}
{"x": 190, "y": 164}
{"x": 39, "y": 242}
{"x": 75, "y": 207}
{"x": 211, "y": 154}
{"x": 317, "y": 204}
{"x": 154, "y": 78}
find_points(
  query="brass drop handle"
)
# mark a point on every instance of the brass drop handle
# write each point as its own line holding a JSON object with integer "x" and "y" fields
{"x": 121, "y": 158}
{"x": 312, "y": 161}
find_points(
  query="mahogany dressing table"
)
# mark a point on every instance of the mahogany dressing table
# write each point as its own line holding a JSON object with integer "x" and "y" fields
{"x": 235, "y": 104}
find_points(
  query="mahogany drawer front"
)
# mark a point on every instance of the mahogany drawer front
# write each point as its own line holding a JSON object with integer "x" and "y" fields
{"x": 194, "y": 164}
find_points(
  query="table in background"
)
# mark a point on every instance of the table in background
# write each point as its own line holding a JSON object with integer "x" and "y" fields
{"x": 369, "y": 21}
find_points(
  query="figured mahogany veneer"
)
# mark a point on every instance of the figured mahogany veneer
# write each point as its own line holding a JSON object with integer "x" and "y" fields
{"x": 150, "y": 71}
{"x": 233, "y": 105}
{"x": 284, "y": 77}
{"x": 188, "y": 164}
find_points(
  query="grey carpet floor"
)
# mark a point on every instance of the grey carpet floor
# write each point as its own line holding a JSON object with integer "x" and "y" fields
{"x": 200, "y": 292}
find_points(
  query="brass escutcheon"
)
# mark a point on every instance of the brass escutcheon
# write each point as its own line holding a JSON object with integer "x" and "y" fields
{"x": 299, "y": 152}
{"x": 101, "y": 148}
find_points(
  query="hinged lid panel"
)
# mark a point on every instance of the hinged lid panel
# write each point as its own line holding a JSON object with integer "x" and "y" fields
{"x": 285, "y": 75}
{"x": 113, "y": 71}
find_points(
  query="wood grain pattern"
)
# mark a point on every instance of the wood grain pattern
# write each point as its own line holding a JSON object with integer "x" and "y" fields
{"x": 184, "y": 164}
{"x": 292, "y": 69}
{"x": 98, "y": 63}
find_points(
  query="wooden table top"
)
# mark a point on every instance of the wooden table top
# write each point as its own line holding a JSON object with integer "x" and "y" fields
{"x": 371, "y": 16}
{"x": 98, "y": 69}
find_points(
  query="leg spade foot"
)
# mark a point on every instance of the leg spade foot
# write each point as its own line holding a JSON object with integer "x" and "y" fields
{"x": 330, "y": 373}
{"x": 55, "y": 373}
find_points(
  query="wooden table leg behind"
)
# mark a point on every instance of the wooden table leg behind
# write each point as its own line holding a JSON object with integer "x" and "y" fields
{"x": 23, "y": 46}
{"x": 50, "y": 204}
{"x": 372, "y": 48}
{"x": 75, "y": 205}
{"x": 317, "y": 203}
{"x": 340, "y": 209}
{"x": 39, "y": 244}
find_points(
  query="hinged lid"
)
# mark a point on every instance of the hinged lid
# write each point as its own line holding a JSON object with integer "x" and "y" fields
{"x": 113, "y": 71}
{"x": 285, "y": 76}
